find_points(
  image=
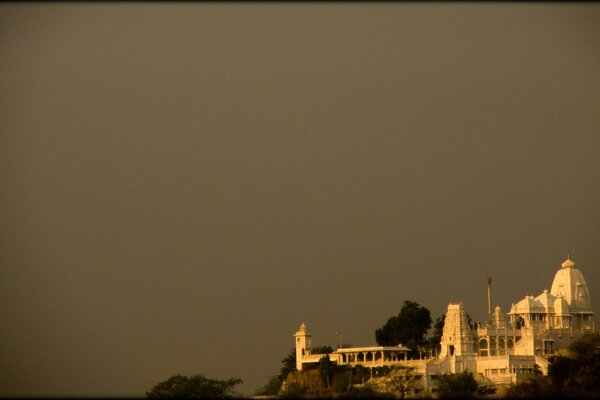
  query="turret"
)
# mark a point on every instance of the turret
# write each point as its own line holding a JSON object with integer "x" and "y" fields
{"x": 303, "y": 347}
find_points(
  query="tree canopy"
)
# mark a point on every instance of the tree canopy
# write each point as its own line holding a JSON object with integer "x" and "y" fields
{"x": 412, "y": 323}
{"x": 288, "y": 365}
{"x": 438, "y": 331}
{"x": 322, "y": 350}
{"x": 271, "y": 388}
{"x": 587, "y": 347}
{"x": 326, "y": 367}
{"x": 403, "y": 380}
{"x": 193, "y": 387}
{"x": 582, "y": 368}
{"x": 457, "y": 386}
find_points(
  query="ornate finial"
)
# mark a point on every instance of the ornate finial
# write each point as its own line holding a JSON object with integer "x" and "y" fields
{"x": 568, "y": 263}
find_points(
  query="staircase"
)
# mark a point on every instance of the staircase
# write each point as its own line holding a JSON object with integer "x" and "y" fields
{"x": 543, "y": 364}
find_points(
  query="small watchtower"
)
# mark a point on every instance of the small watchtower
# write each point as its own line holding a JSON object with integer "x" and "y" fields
{"x": 303, "y": 339}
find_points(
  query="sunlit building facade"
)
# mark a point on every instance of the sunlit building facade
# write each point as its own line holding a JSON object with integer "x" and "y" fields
{"x": 505, "y": 349}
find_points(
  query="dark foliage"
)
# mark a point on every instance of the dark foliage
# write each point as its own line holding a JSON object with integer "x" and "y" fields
{"x": 321, "y": 350}
{"x": 293, "y": 391}
{"x": 412, "y": 323}
{"x": 534, "y": 388}
{"x": 326, "y": 369}
{"x": 582, "y": 369}
{"x": 193, "y": 387}
{"x": 403, "y": 380}
{"x": 457, "y": 386}
{"x": 289, "y": 365}
{"x": 366, "y": 392}
{"x": 271, "y": 388}
{"x": 436, "y": 337}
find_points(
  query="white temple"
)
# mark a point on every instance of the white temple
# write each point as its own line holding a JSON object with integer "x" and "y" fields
{"x": 504, "y": 350}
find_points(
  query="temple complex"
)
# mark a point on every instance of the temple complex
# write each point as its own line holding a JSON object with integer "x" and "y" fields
{"x": 504, "y": 350}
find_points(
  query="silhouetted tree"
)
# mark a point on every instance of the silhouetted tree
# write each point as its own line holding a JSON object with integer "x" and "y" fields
{"x": 582, "y": 368}
{"x": 403, "y": 380}
{"x": 293, "y": 391}
{"x": 322, "y": 350}
{"x": 412, "y": 322}
{"x": 587, "y": 347}
{"x": 288, "y": 365}
{"x": 457, "y": 386}
{"x": 326, "y": 369}
{"x": 193, "y": 387}
{"x": 436, "y": 336}
{"x": 271, "y": 388}
{"x": 538, "y": 387}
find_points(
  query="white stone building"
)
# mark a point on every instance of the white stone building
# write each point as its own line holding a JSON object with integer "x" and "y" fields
{"x": 504, "y": 350}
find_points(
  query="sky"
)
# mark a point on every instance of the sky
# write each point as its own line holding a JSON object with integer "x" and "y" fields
{"x": 184, "y": 184}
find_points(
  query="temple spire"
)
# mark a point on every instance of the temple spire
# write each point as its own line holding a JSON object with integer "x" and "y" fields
{"x": 489, "y": 295}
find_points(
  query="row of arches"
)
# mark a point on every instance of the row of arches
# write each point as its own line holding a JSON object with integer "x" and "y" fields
{"x": 372, "y": 356}
{"x": 496, "y": 346}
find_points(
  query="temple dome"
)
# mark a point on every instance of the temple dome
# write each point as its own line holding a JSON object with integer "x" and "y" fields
{"x": 527, "y": 305}
{"x": 570, "y": 283}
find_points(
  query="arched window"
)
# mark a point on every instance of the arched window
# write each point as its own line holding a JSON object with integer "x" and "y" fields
{"x": 520, "y": 322}
{"x": 493, "y": 347}
{"x": 483, "y": 347}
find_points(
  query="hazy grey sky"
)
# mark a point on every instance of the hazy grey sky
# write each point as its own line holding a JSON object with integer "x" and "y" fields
{"x": 184, "y": 184}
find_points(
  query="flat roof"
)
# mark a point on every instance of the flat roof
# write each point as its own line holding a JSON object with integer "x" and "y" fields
{"x": 372, "y": 348}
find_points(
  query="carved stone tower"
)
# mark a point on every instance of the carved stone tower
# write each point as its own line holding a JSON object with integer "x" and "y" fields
{"x": 457, "y": 338}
